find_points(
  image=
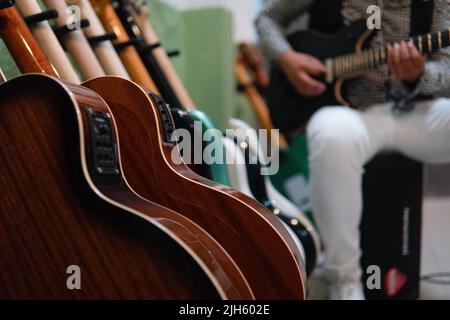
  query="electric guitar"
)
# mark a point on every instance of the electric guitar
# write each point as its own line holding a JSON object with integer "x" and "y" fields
{"x": 262, "y": 190}
{"x": 235, "y": 221}
{"x": 67, "y": 206}
{"x": 256, "y": 100}
{"x": 262, "y": 187}
{"x": 250, "y": 55}
{"x": 337, "y": 53}
{"x": 135, "y": 18}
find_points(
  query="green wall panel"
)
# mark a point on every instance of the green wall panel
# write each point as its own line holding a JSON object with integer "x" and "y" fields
{"x": 210, "y": 61}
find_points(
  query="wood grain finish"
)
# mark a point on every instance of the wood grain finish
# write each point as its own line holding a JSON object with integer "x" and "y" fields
{"x": 46, "y": 128}
{"x": 21, "y": 44}
{"x": 251, "y": 234}
{"x": 129, "y": 55}
{"x": 44, "y": 35}
{"x": 60, "y": 215}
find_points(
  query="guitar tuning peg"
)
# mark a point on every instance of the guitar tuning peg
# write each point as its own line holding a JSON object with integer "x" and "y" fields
{"x": 152, "y": 47}
{"x": 122, "y": 45}
{"x": 84, "y": 23}
{"x": 104, "y": 37}
{"x": 173, "y": 53}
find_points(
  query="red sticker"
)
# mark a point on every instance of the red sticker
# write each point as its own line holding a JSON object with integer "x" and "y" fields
{"x": 394, "y": 282}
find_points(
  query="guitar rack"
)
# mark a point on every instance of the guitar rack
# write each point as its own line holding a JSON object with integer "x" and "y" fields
{"x": 173, "y": 53}
{"x": 110, "y": 36}
{"x": 149, "y": 48}
{"x": 40, "y": 17}
{"x": 122, "y": 45}
{"x": 59, "y": 31}
{"x": 4, "y": 4}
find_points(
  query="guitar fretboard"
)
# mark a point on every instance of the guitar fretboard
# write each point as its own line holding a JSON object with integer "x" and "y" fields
{"x": 360, "y": 63}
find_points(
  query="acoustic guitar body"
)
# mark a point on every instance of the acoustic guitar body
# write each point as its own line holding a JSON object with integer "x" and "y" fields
{"x": 216, "y": 171}
{"x": 252, "y": 235}
{"x": 65, "y": 205}
{"x": 183, "y": 120}
{"x": 289, "y": 110}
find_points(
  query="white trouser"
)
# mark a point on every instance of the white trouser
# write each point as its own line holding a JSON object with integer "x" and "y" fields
{"x": 341, "y": 141}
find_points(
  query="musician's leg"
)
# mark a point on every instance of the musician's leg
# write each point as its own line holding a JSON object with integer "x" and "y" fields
{"x": 424, "y": 133}
{"x": 341, "y": 141}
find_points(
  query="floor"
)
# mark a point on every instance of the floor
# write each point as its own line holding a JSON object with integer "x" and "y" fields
{"x": 435, "y": 251}
{"x": 435, "y": 246}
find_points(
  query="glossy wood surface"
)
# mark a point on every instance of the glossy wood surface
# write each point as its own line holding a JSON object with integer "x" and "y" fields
{"x": 129, "y": 55}
{"x": 217, "y": 272}
{"x": 52, "y": 216}
{"x": 21, "y": 44}
{"x": 253, "y": 236}
{"x": 85, "y": 59}
{"x": 104, "y": 50}
{"x": 141, "y": 17}
{"x": 44, "y": 35}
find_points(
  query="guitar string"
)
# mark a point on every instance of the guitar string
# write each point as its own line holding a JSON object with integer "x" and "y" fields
{"x": 351, "y": 64}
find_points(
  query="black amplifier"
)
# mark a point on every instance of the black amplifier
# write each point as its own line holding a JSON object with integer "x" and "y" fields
{"x": 391, "y": 227}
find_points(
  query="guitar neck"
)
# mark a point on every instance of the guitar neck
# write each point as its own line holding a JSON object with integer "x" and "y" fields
{"x": 257, "y": 102}
{"x": 104, "y": 50}
{"x": 128, "y": 54}
{"x": 140, "y": 15}
{"x": 48, "y": 41}
{"x": 76, "y": 43}
{"x": 21, "y": 45}
{"x": 356, "y": 64}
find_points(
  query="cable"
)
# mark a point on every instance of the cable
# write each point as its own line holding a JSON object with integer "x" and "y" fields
{"x": 439, "y": 278}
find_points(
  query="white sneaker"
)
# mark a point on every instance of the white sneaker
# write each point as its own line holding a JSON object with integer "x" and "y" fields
{"x": 346, "y": 291}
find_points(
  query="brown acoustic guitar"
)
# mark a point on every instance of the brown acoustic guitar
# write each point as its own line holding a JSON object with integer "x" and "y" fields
{"x": 256, "y": 240}
{"x": 66, "y": 206}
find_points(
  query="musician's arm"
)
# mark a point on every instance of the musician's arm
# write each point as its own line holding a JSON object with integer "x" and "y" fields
{"x": 435, "y": 79}
{"x": 272, "y": 22}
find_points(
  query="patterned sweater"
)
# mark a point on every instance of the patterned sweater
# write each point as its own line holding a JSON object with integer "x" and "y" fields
{"x": 277, "y": 15}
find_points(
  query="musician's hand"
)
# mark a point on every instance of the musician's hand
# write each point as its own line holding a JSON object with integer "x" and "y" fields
{"x": 406, "y": 62}
{"x": 300, "y": 69}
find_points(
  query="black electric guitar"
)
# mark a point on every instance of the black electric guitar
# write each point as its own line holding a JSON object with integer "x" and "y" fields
{"x": 345, "y": 58}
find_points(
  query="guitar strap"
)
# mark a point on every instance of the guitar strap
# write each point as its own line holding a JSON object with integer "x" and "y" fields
{"x": 325, "y": 16}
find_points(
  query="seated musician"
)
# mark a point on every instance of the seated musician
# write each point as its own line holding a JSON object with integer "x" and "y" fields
{"x": 342, "y": 140}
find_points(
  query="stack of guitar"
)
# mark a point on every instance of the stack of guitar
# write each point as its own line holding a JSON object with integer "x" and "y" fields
{"x": 90, "y": 185}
